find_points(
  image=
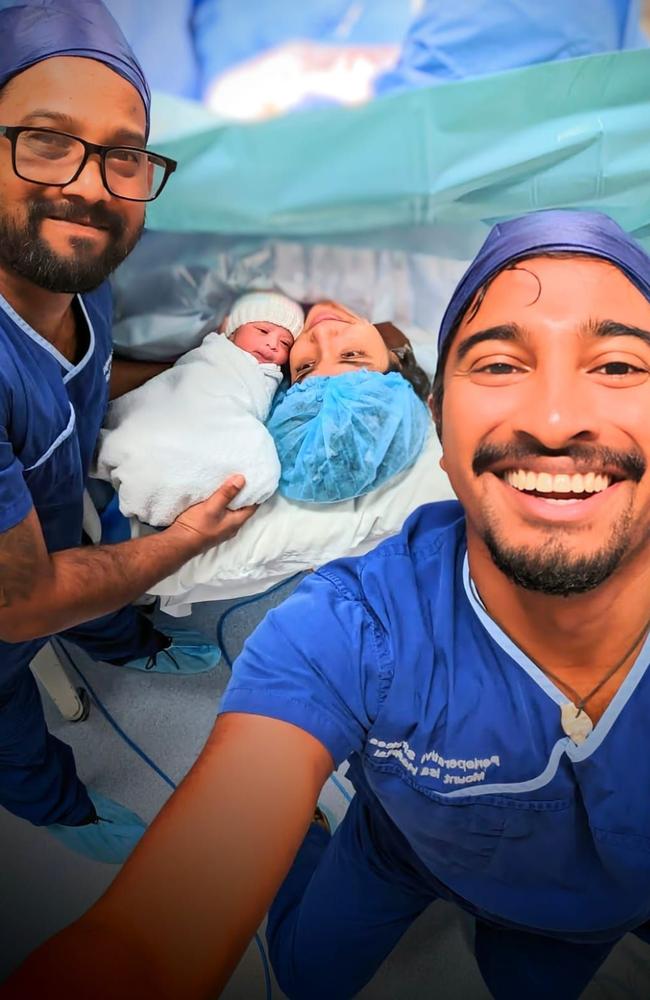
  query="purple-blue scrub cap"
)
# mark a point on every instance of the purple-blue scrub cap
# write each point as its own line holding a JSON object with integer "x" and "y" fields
{"x": 539, "y": 232}
{"x": 32, "y": 30}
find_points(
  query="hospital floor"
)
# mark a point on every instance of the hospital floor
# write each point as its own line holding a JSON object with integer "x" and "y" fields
{"x": 43, "y": 886}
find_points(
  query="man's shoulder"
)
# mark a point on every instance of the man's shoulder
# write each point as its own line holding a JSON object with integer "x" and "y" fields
{"x": 424, "y": 532}
{"x": 430, "y": 539}
{"x": 9, "y": 369}
{"x": 100, "y": 297}
{"x": 99, "y": 306}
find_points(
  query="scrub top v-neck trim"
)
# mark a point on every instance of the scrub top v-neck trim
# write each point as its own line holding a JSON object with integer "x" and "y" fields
{"x": 51, "y": 411}
{"x": 71, "y": 369}
{"x": 616, "y": 705}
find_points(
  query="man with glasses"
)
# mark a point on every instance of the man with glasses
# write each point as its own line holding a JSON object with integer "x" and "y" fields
{"x": 75, "y": 176}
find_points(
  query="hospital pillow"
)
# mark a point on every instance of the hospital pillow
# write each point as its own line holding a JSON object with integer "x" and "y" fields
{"x": 285, "y": 537}
{"x": 341, "y": 436}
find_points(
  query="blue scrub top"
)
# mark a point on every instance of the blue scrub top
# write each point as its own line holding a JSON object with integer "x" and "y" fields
{"x": 456, "y": 733}
{"x": 50, "y": 414}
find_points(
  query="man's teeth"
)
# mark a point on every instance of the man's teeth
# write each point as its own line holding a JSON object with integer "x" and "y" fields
{"x": 544, "y": 482}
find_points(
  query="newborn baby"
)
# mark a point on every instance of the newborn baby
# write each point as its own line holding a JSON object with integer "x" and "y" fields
{"x": 268, "y": 340}
{"x": 172, "y": 441}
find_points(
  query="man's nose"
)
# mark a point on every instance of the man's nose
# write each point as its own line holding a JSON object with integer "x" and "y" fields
{"x": 559, "y": 407}
{"x": 89, "y": 185}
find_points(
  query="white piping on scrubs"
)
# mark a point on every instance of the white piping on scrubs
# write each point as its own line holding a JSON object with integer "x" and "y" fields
{"x": 57, "y": 441}
{"x": 71, "y": 370}
{"x": 91, "y": 345}
{"x": 565, "y": 744}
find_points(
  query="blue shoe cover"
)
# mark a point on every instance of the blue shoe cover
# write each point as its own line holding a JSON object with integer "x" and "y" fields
{"x": 111, "y": 839}
{"x": 189, "y": 653}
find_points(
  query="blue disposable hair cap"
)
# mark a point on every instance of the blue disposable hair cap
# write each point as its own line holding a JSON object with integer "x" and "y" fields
{"x": 590, "y": 233}
{"x": 33, "y": 30}
{"x": 341, "y": 436}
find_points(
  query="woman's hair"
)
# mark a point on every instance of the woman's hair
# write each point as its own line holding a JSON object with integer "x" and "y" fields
{"x": 403, "y": 361}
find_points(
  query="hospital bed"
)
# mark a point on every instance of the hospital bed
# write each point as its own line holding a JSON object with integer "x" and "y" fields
{"x": 379, "y": 206}
{"x": 284, "y": 537}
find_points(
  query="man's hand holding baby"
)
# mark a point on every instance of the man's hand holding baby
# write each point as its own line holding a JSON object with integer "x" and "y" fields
{"x": 211, "y": 522}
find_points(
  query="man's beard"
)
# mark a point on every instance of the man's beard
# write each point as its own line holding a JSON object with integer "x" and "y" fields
{"x": 26, "y": 253}
{"x": 552, "y": 568}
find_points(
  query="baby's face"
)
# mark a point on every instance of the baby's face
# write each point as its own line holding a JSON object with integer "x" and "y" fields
{"x": 267, "y": 342}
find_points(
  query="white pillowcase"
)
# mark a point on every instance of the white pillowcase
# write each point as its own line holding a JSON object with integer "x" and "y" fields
{"x": 285, "y": 537}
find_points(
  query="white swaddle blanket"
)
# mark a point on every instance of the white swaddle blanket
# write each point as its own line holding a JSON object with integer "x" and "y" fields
{"x": 171, "y": 442}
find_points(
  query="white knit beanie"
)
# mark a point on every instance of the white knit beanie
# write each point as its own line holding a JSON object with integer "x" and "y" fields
{"x": 270, "y": 307}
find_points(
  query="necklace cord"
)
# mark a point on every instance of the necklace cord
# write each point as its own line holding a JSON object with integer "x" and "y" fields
{"x": 579, "y": 703}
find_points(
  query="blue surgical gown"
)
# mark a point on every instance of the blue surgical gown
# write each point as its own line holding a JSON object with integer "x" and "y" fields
{"x": 391, "y": 658}
{"x": 456, "y": 41}
{"x": 50, "y": 414}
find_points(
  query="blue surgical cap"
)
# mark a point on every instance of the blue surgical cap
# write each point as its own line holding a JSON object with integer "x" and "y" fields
{"x": 341, "y": 436}
{"x": 589, "y": 233}
{"x": 33, "y": 30}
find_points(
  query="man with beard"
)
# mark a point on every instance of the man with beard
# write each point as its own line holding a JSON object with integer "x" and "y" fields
{"x": 486, "y": 672}
{"x": 74, "y": 180}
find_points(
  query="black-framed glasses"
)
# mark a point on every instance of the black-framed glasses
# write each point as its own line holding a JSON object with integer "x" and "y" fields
{"x": 46, "y": 156}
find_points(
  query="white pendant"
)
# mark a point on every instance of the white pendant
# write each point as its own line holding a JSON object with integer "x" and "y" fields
{"x": 575, "y": 722}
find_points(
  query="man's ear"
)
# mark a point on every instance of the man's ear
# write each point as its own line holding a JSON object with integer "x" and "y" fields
{"x": 436, "y": 412}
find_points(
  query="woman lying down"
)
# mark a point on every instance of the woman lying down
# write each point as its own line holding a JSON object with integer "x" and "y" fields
{"x": 172, "y": 441}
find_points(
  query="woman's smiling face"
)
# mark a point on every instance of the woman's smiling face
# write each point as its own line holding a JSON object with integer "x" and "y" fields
{"x": 334, "y": 341}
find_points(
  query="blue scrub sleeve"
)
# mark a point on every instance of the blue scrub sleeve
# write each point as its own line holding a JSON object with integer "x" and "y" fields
{"x": 318, "y": 662}
{"x": 15, "y": 498}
